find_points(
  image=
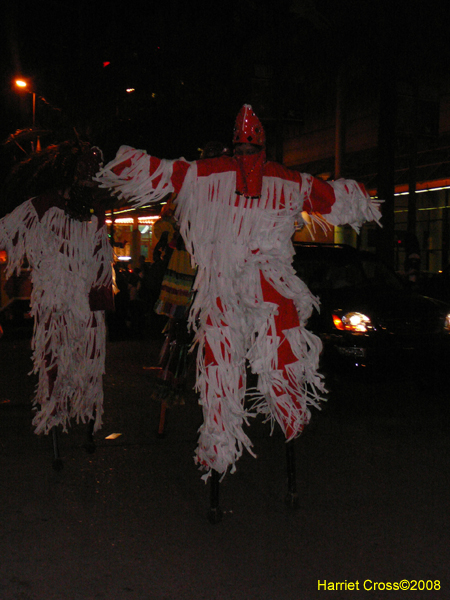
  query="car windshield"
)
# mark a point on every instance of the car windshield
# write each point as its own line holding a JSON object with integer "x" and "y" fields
{"x": 322, "y": 270}
{"x": 377, "y": 273}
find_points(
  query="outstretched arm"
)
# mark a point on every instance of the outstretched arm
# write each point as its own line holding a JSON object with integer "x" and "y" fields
{"x": 14, "y": 229}
{"x": 140, "y": 178}
{"x": 340, "y": 202}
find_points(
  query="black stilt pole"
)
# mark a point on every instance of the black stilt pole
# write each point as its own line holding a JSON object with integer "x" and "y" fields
{"x": 215, "y": 513}
{"x": 291, "y": 496}
{"x": 89, "y": 446}
{"x": 57, "y": 462}
{"x": 162, "y": 420}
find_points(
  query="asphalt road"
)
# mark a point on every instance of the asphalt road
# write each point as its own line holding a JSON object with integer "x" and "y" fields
{"x": 129, "y": 521}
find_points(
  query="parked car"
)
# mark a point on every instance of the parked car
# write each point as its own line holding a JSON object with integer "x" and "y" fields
{"x": 368, "y": 317}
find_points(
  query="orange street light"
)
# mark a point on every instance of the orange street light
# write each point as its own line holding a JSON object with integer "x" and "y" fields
{"x": 24, "y": 84}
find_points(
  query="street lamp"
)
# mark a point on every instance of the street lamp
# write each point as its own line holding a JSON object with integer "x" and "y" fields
{"x": 23, "y": 84}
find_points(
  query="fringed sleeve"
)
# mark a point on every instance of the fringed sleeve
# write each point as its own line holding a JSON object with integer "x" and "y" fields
{"x": 139, "y": 178}
{"x": 341, "y": 202}
{"x": 14, "y": 229}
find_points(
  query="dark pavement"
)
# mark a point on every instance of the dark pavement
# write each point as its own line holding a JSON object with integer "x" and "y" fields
{"x": 129, "y": 521}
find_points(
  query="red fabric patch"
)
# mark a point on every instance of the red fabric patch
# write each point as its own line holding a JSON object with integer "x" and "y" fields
{"x": 287, "y": 318}
{"x": 180, "y": 168}
{"x": 221, "y": 164}
{"x": 126, "y": 164}
{"x": 321, "y": 199}
{"x": 273, "y": 169}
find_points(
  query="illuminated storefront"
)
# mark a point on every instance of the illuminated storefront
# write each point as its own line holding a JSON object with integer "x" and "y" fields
{"x": 132, "y": 237}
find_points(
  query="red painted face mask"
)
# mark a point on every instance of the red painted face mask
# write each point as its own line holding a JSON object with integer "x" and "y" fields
{"x": 250, "y": 173}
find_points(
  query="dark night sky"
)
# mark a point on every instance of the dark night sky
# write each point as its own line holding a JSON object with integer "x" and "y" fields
{"x": 192, "y": 63}
{"x": 178, "y": 58}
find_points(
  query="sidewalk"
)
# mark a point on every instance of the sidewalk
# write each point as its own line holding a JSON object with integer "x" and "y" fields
{"x": 129, "y": 522}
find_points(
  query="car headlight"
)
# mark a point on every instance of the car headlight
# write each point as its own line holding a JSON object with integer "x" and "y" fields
{"x": 353, "y": 321}
{"x": 447, "y": 322}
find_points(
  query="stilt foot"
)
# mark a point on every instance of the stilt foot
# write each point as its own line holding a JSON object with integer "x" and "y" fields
{"x": 215, "y": 515}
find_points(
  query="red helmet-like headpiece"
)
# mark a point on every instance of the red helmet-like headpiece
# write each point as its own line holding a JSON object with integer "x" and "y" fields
{"x": 248, "y": 128}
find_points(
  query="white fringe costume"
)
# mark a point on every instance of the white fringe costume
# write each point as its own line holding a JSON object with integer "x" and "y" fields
{"x": 71, "y": 264}
{"x": 249, "y": 303}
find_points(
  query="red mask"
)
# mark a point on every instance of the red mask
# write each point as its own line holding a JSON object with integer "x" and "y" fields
{"x": 249, "y": 174}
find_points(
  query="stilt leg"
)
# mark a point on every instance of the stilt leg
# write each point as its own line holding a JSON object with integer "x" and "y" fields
{"x": 215, "y": 513}
{"x": 57, "y": 462}
{"x": 89, "y": 446}
{"x": 162, "y": 420}
{"x": 291, "y": 496}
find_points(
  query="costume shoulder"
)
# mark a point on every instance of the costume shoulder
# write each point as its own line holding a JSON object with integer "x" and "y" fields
{"x": 221, "y": 164}
{"x": 46, "y": 201}
{"x": 274, "y": 169}
{"x": 140, "y": 178}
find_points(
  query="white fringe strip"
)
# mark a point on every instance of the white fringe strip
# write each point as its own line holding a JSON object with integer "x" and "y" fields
{"x": 353, "y": 206}
{"x": 136, "y": 183}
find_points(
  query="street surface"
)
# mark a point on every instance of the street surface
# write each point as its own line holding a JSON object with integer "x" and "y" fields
{"x": 129, "y": 521}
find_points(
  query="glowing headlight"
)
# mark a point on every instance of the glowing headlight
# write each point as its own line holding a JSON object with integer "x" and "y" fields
{"x": 447, "y": 322}
{"x": 355, "y": 322}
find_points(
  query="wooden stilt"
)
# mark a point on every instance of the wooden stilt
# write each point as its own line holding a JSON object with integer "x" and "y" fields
{"x": 89, "y": 446}
{"x": 57, "y": 462}
{"x": 215, "y": 513}
{"x": 162, "y": 420}
{"x": 292, "y": 496}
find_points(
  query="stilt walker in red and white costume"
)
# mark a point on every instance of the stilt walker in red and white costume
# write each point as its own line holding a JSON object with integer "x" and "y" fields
{"x": 237, "y": 216}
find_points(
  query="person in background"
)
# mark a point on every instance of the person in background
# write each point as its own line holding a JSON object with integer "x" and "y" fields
{"x": 174, "y": 302}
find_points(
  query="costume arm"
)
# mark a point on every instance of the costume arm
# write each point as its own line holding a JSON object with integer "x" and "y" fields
{"x": 13, "y": 232}
{"x": 140, "y": 178}
{"x": 341, "y": 202}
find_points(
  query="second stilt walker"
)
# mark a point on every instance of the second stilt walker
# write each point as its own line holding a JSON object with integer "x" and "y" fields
{"x": 62, "y": 235}
{"x": 237, "y": 216}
